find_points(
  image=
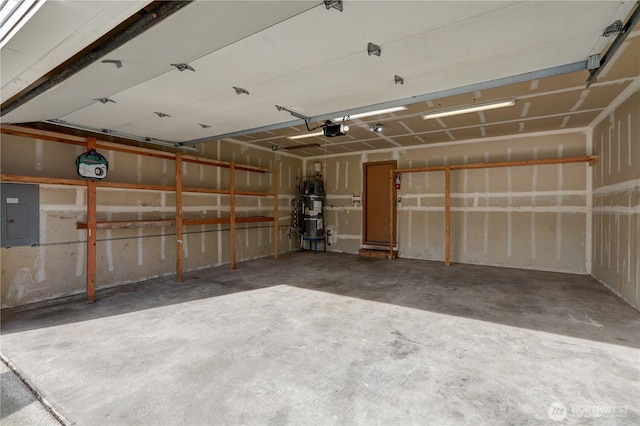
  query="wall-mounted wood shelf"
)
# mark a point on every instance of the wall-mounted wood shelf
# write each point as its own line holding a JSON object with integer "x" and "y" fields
{"x": 590, "y": 159}
{"x": 157, "y": 223}
{"x": 92, "y": 224}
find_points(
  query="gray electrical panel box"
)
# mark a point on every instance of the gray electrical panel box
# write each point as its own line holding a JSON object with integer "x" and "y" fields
{"x": 19, "y": 214}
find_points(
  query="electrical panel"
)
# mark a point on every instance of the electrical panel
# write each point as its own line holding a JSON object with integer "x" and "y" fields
{"x": 20, "y": 214}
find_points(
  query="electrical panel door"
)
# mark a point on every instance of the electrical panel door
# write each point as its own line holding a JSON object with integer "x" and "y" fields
{"x": 19, "y": 215}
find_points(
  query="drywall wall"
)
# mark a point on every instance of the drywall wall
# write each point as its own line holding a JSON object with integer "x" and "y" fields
{"x": 57, "y": 268}
{"x": 525, "y": 217}
{"x": 616, "y": 200}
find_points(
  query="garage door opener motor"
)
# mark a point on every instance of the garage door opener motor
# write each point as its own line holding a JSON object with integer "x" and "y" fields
{"x": 92, "y": 165}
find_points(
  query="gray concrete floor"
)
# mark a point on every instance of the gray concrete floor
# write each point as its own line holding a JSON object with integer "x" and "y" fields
{"x": 336, "y": 339}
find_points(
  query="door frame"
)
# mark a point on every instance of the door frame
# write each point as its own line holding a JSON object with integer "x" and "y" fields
{"x": 394, "y": 165}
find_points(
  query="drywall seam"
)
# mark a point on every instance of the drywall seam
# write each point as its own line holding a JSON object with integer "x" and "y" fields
{"x": 588, "y": 245}
{"x": 41, "y": 258}
{"x": 80, "y": 259}
{"x": 461, "y": 142}
{"x": 618, "y": 210}
{"x": 108, "y": 246}
{"x": 39, "y": 154}
{"x": 203, "y": 247}
{"x": 534, "y": 186}
{"x": 486, "y": 215}
{"x": 629, "y": 138}
{"x": 629, "y": 248}
{"x": 560, "y": 177}
{"x": 633, "y": 87}
{"x": 465, "y": 184}
{"x": 626, "y": 186}
{"x": 509, "y": 204}
{"x": 139, "y": 243}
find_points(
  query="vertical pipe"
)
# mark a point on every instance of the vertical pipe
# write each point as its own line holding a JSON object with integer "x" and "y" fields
{"x": 276, "y": 216}
{"x": 179, "y": 242}
{"x": 447, "y": 216}
{"x": 91, "y": 232}
{"x": 232, "y": 211}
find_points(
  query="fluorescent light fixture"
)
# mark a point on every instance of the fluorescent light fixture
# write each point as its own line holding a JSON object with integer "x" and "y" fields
{"x": 370, "y": 113}
{"x": 306, "y": 135}
{"x": 13, "y": 15}
{"x": 468, "y": 109}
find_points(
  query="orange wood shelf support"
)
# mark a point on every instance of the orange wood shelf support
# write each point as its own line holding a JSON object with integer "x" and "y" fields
{"x": 276, "y": 215}
{"x": 91, "y": 232}
{"x": 179, "y": 241}
{"x": 232, "y": 209}
{"x": 590, "y": 159}
{"x": 447, "y": 216}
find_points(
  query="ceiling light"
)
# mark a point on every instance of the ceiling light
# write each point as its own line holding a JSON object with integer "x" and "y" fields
{"x": 370, "y": 113}
{"x": 306, "y": 135}
{"x": 376, "y": 129}
{"x": 469, "y": 108}
{"x": 14, "y": 15}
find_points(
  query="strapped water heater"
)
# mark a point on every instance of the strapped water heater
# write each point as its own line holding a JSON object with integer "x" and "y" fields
{"x": 308, "y": 209}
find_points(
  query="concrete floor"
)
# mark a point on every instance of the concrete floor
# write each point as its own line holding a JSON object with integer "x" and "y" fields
{"x": 336, "y": 339}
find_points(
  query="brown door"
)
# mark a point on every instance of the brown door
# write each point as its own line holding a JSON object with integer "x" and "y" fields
{"x": 377, "y": 184}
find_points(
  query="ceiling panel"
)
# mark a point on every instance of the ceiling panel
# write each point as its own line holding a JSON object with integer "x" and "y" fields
{"x": 314, "y": 61}
{"x": 54, "y": 34}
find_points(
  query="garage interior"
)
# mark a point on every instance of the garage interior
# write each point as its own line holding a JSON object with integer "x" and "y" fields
{"x": 465, "y": 252}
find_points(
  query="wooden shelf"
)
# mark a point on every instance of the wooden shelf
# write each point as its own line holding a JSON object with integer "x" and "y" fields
{"x": 157, "y": 223}
{"x": 92, "y": 225}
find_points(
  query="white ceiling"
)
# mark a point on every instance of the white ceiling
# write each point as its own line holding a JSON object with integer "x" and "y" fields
{"x": 296, "y": 54}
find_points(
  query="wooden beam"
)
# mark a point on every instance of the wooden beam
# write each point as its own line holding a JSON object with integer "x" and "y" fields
{"x": 179, "y": 241}
{"x": 276, "y": 215}
{"x": 254, "y": 193}
{"x": 91, "y": 232}
{"x": 123, "y": 224}
{"x": 225, "y": 164}
{"x": 156, "y": 223}
{"x": 42, "y": 180}
{"x": 142, "y": 186}
{"x": 447, "y": 216}
{"x": 205, "y": 190}
{"x": 232, "y": 210}
{"x": 11, "y": 129}
{"x": 392, "y": 218}
{"x": 580, "y": 159}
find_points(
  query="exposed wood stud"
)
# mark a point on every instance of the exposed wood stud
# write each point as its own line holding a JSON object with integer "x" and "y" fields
{"x": 447, "y": 216}
{"x": 91, "y": 232}
{"x": 590, "y": 159}
{"x": 179, "y": 241}
{"x": 232, "y": 208}
{"x": 276, "y": 230}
